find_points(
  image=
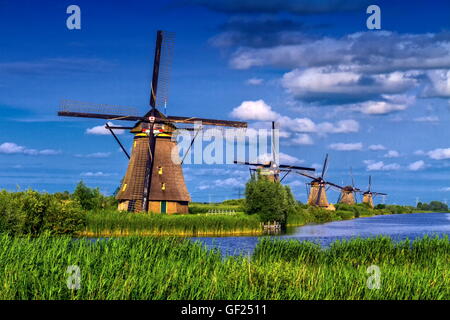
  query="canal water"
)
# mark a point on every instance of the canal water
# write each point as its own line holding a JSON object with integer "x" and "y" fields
{"x": 397, "y": 226}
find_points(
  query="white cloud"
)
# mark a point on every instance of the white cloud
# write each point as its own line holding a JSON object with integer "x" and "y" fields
{"x": 324, "y": 83}
{"x": 254, "y": 110}
{"x": 94, "y": 155}
{"x": 254, "y": 81}
{"x": 439, "y": 84}
{"x": 380, "y": 166}
{"x": 302, "y": 139}
{"x": 101, "y": 130}
{"x": 229, "y": 182}
{"x": 445, "y": 189}
{"x": 419, "y": 152}
{"x": 415, "y": 166}
{"x": 439, "y": 154}
{"x": 392, "y": 154}
{"x": 346, "y": 146}
{"x": 376, "y": 147}
{"x": 13, "y": 148}
{"x": 95, "y": 174}
{"x": 283, "y": 157}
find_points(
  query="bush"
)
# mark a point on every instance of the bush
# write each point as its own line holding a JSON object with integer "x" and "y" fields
{"x": 33, "y": 213}
{"x": 92, "y": 199}
{"x": 345, "y": 215}
{"x": 270, "y": 200}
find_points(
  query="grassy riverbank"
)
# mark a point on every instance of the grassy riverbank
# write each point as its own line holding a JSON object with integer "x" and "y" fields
{"x": 106, "y": 223}
{"x": 173, "y": 268}
{"x": 114, "y": 223}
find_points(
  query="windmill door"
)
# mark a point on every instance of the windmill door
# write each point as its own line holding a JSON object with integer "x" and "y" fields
{"x": 163, "y": 206}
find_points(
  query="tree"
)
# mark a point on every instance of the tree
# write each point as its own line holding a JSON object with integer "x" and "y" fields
{"x": 270, "y": 200}
{"x": 88, "y": 198}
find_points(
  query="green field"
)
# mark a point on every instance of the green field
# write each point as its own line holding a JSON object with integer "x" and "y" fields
{"x": 173, "y": 268}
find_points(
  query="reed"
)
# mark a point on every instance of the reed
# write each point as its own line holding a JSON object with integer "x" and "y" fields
{"x": 175, "y": 268}
{"x": 114, "y": 223}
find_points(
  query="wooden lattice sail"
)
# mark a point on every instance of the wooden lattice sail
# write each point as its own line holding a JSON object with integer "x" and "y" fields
{"x": 154, "y": 181}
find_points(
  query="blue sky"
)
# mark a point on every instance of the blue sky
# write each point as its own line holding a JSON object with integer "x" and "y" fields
{"x": 376, "y": 101}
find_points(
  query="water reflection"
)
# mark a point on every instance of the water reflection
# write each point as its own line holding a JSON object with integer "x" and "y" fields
{"x": 398, "y": 227}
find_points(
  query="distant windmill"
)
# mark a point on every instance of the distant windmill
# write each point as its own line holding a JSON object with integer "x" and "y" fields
{"x": 272, "y": 168}
{"x": 369, "y": 194}
{"x": 317, "y": 195}
{"x": 348, "y": 193}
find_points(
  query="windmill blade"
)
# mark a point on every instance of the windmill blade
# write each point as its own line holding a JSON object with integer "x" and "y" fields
{"x": 334, "y": 185}
{"x": 324, "y": 168}
{"x": 159, "y": 91}
{"x": 353, "y": 180}
{"x": 370, "y": 182}
{"x": 275, "y": 146}
{"x": 251, "y": 164}
{"x": 117, "y": 140}
{"x": 296, "y": 167}
{"x": 306, "y": 175}
{"x": 379, "y": 194}
{"x": 70, "y": 108}
{"x": 210, "y": 122}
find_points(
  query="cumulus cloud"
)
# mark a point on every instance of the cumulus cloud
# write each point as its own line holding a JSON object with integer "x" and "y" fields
{"x": 439, "y": 154}
{"x": 101, "y": 130}
{"x": 283, "y": 158}
{"x": 260, "y": 111}
{"x": 254, "y": 110}
{"x": 388, "y": 104}
{"x": 327, "y": 85}
{"x": 13, "y": 148}
{"x": 346, "y": 146}
{"x": 392, "y": 154}
{"x": 415, "y": 166}
{"x": 439, "y": 85}
{"x": 380, "y": 166}
{"x": 376, "y": 147}
{"x": 302, "y": 139}
{"x": 369, "y": 52}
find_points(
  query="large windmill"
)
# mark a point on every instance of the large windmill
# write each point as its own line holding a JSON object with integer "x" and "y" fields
{"x": 153, "y": 181}
{"x": 317, "y": 194}
{"x": 348, "y": 193}
{"x": 369, "y": 194}
{"x": 272, "y": 168}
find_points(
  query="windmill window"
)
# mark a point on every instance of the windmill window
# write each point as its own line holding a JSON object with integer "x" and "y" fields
{"x": 163, "y": 186}
{"x": 160, "y": 170}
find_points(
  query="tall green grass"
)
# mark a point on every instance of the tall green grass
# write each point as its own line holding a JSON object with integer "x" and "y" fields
{"x": 115, "y": 223}
{"x": 173, "y": 268}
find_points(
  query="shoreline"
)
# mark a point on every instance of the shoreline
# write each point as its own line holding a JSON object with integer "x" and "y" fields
{"x": 213, "y": 233}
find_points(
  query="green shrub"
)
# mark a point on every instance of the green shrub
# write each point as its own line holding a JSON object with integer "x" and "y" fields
{"x": 271, "y": 201}
{"x": 345, "y": 215}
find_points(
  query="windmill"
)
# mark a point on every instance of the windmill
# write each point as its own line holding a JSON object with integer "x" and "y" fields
{"x": 153, "y": 182}
{"x": 369, "y": 194}
{"x": 272, "y": 169}
{"x": 317, "y": 194}
{"x": 348, "y": 193}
